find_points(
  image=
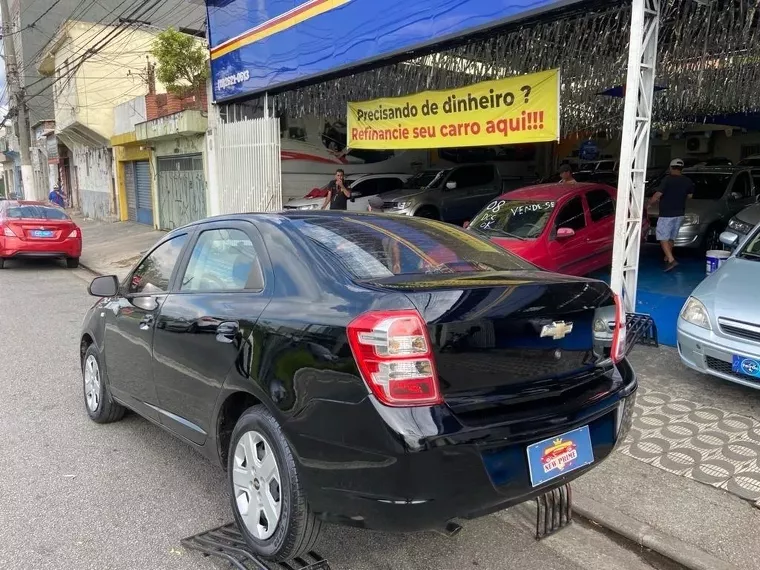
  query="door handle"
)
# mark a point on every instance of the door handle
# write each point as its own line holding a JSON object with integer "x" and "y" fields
{"x": 146, "y": 322}
{"x": 227, "y": 331}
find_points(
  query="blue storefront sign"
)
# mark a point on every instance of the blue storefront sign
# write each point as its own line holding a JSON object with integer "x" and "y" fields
{"x": 261, "y": 45}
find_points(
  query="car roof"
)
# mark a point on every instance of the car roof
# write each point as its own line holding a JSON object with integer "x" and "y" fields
{"x": 25, "y": 203}
{"x": 553, "y": 191}
{"x": 378, "y": 175}
{"x": 724, "y": 169}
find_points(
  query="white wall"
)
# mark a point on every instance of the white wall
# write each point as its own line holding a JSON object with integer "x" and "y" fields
{"x": 127, "y": 115}
{"x": 94, "y": 172}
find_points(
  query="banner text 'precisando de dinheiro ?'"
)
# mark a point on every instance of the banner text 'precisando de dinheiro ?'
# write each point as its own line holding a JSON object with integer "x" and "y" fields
{"x": 515, "y": 110}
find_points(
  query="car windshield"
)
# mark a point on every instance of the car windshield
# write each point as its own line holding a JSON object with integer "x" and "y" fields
{"x": 525, "y": 219}
{"x": 425, "y": 179}
{"x": 709, "y": 185}
{"x": 37, "y": 213}
{"x": 379, "y": 247}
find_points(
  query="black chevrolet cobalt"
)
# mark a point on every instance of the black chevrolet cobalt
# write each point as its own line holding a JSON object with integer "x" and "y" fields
{"x": 379, "y": 371}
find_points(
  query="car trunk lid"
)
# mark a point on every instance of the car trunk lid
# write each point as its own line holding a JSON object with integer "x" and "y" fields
{"x": 515, "y": 343}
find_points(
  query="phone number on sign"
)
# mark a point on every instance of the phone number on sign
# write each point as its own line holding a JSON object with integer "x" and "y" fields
{"x": 231, "y": 80}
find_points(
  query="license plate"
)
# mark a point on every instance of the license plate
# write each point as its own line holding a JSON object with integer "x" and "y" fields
{"x": 556, "y": 456}
{"x": 747, "y": 366}
{"x": 42, "y": 233}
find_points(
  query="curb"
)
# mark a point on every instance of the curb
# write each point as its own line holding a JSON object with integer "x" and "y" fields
{"x": 89, "y": 268}
{"x": 644, "y": 535}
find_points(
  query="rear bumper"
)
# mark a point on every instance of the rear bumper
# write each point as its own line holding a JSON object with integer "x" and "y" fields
{"x": 435, "y": 469}
{"x": 14, "y": 247}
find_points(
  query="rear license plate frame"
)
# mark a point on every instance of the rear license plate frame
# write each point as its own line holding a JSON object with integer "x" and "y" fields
{"x": 556, "y": 456}
{"x": 46, "y": 234}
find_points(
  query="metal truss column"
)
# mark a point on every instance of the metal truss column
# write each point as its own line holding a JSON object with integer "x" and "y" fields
{"x": 634, "y": 149}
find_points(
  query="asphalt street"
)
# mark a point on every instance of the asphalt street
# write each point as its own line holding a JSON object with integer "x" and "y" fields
{"x": 77, "y": 495}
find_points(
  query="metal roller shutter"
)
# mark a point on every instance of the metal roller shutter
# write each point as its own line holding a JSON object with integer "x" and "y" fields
{"x": 143, "y": 191}
{"x": 129, "y": 188}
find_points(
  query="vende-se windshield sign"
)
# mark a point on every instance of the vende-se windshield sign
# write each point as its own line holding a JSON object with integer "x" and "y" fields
{"x": 260, "y": 45}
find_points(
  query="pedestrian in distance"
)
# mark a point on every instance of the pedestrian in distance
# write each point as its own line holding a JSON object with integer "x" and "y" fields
{"x": 566, "y": 175}
{"x": 672, "y": 194}
{"x": 337, "y": 193}
{"x": 56, "y": 197}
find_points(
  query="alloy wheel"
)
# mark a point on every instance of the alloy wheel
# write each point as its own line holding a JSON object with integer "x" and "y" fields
{"x": 92, "y": 383}
{"x": 257, "y": 485}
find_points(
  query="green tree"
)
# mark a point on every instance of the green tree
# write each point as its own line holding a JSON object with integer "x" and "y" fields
{"x": 182, "y": 62}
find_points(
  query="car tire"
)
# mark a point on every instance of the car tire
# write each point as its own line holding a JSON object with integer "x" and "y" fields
{"x": 72, "y": 262}
{"x": 98, "y": 402}
{"x": 2, "y": 262}
{"x": 267, "y": 482}
{"x": 428, "y": 213}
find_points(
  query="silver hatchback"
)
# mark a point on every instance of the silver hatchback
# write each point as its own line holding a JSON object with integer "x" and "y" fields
{"x": 719, "y": 325}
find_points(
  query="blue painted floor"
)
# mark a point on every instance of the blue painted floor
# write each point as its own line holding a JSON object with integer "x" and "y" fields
{"x": 661, "y": 294}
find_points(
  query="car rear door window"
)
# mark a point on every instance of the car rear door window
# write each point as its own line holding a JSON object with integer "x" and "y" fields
{"x": 223, "y": 260}
{"x": 154, "y": 273}
{"x": 600, "y": 204}
{"x": 572, "y": 215}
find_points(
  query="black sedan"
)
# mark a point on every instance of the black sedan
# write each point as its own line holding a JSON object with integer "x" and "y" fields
{"x": 387, "y": 372}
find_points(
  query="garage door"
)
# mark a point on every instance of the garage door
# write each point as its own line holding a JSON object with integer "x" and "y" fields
{"x": 143, "y": 192}
{"x": 129, "y": 188}
{"x": 181, "y": 191}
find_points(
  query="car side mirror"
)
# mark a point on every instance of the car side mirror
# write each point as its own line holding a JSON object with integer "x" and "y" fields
{"x": 736, "y": 196}
{"x": 466, "y": 224}
{"x": 451, "y": 185}
{"x": 106, "y": 286}
{"x": 565, "y": 233}
{"x": 729, "y": 238}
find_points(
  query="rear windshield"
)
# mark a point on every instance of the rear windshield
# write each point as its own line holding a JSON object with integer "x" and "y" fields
{"x": 37, "y": 213}
{"x": 514, "y": 218}
{"x": 376, "y": 247}
{"x": 709, "y": 185}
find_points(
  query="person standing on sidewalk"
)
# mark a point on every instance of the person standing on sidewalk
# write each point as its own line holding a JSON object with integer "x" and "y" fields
{"x": 337, "y": 193}
{"x": 672, "y": 194}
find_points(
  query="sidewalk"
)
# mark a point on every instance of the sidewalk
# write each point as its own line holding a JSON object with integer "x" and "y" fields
{"x": 685, "y": 484}
{"x": 114, "y": 248}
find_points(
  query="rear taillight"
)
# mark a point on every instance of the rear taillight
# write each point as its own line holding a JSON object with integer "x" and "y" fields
{"x": 394, "y": 355}
{"x": 7, "y": 232}
{"x": 618, "y": 338}
{"x": 74, "y": 234}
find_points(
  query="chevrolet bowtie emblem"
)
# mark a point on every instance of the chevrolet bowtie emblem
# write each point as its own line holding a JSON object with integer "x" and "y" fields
{"x": 557, "y": 330}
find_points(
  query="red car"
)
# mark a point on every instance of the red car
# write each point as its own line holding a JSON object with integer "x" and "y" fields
{"x": 36, "y": 229}
{"x": 561, "y": 228}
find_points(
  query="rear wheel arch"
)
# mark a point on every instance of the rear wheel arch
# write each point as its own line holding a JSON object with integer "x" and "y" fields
{"x": 230, "y": 411}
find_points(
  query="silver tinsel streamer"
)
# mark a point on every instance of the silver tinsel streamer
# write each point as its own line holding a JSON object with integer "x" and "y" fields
{"x": 708, "y": 62}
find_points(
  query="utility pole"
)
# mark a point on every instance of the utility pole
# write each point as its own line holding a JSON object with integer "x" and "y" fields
{"x": 17, "y": 100}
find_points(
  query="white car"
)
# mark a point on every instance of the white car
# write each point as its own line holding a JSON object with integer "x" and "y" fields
{"x": 362, "y": 188}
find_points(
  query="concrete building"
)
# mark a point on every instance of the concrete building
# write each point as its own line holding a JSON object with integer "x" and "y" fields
{"x": 84, "y": 98}
{"x": 35, "y": 23}
{"x": 160, "y": 152}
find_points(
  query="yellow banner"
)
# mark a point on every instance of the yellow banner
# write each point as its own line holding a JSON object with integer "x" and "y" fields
{"x": 516, "y": 110}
